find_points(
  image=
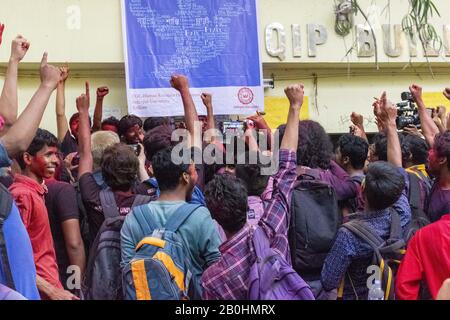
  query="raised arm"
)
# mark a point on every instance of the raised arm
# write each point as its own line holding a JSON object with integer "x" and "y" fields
{"x": 61, "y": 119}
{"x": 181, "y": 84}
{"x": 429, "y": 128}
{"x": 19, "y": 137}
{"x": 102, "y": 92}
{"x": 295, "y": 94}
{"x": 387, "y": 114}
{"x": 8, "y": 99}
{"x": 84, "y": 134}
{"x": 358, "y": 121}
{"x": 262, "y": 126}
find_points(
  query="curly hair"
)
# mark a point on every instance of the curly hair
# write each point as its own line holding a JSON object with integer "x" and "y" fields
{"x": 315, "y": 148}
{"x": 442, "y": 146}
{"x": 355, "y": 148}
{"x": 128, "y": 122}
{"x": 120, "y": 167}
{"x": 380, "y": 143}
{"x": 226, "y": 199}
{"x": 41, "y": 139}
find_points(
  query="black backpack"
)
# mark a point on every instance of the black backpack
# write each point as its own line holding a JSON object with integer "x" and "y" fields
{"x": 315, "y": 220}
{"x": 103, "y": 279}
{"x": 387, "y": 254}
{"x": 418, "y": 217}
{"x": 6, "y": 202}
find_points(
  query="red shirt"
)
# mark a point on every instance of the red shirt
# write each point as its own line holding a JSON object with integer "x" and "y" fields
{"x": 427, "y": 258}
{"x": 29, "y": 197}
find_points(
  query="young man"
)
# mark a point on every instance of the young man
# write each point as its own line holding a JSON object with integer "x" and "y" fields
{"x": 438, "y": 201}
{"x": 39, "y": 162}
{"x": 119, "y": 169}
{"x": 198, "y": 233}
{"x": 351, "y": 155}
{"x": 176, "y": 184}
{"x": 385, "y": 187}
{"x": 226, "y": 197}
{"x": 15, "y": 138}
{"x": 130, "y": 130}
{"x": 427, "y": 259}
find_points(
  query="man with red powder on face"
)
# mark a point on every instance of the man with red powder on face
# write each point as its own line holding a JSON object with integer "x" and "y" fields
{"x": 39, "y": 162}
{"x": 438, "y": 202}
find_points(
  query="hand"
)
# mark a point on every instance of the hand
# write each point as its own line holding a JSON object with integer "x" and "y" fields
{"x": 2, "y": 28}
{"x": 412, "y": 129}
{"x": 416, "y": 92}
{"x": 179, "y": 82}
{"x": 102, "y": 92}
{"x": 69, "y": 160}
{"x": 295, "y": 94}
{"x": 446, "y": 91}
{"x": 207, "y": 100}
{"x": 60, "y": 294}
{"x": 65, "y": 71}
{"x": 441, "y": 113}
{"x": 50, "y": 75}
{"x": 19, "y": 48}
{"x": 385, "y": 112}
{"x": 356, "y": 131}
{"x": 259, "y": 121}
{"x": 357, "y": 119}
{"x": 83, "y": 101}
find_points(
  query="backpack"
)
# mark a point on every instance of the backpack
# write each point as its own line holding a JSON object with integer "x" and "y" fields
{"x": 271, "y": 276}
{"x": 355, "y": 204}
{"x": 160, "y": 269}
{"x": 315, "y": 220}
{"x": 6, "y": 203}
{"x": 103, "y": 273}
{"x": 386, "y": 254}
{"x": 85, "y": 230}
{"x": 418, "y": 217}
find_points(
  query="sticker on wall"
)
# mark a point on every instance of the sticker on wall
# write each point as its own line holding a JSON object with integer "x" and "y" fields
{"x": 277, "y": 109}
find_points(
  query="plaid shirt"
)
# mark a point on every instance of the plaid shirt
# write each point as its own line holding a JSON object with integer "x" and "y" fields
{"x": 227, "y": 279}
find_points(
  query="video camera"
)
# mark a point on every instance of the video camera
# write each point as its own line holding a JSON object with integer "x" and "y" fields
{"x": 407, "y": 112}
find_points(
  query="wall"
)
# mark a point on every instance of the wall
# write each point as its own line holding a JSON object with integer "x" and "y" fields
{"x": 92, "y": 45}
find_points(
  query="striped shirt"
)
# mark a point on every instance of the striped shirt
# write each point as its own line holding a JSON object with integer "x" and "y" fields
{"x": 227, "y": 279}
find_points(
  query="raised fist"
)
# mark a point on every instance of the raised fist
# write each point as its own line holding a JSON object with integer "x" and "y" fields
{"x": 102, "y": 92}
{"x": 179, "y": 82}
{"x": 19, "y": 48}
{"x": 295, "y": 93}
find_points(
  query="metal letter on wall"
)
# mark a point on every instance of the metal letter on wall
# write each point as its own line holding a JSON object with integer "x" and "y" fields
{"x": 279, "y": 50}
{"x": 430, "y": 50}
{"x": 412, "y": 42}
{"x": 446, "y": 40}
{"x": 296, "y": 41}
{"x": 365, "y": 42}
{"x": 317, "y": 35}
{"x": 391, "y": 50}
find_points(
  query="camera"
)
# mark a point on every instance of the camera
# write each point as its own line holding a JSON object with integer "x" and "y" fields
{"x": 407, "y": 112}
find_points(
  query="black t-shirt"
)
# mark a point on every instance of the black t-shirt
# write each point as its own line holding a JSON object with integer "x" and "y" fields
{"x": 90, "y": 193}
{"x": 61, "y": 203}
{"x": 69, "y": 144}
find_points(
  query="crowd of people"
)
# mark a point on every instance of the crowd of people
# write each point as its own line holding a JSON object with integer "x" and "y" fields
{"x": 102, "y": 210}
